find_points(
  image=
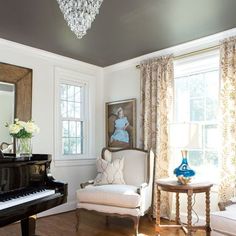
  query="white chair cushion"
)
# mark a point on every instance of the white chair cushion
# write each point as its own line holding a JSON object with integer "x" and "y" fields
{"x": 109, "y": 172}
{"x": 224, "y": 221}
{"x": 112, "y": 195}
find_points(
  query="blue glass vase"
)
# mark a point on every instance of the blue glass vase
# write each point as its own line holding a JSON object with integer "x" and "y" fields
{"x": 184, "y": 169}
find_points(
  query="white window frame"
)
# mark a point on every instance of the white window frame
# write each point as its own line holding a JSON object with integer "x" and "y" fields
{"x": 63, "y": 76}
{"x": 82, "y": 119}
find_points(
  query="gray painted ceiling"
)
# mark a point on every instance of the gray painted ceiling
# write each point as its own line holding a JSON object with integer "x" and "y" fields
{"x": 124, "y": 29}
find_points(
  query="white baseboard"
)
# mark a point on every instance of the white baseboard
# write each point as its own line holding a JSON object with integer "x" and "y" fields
{"x": 69, "y": 206}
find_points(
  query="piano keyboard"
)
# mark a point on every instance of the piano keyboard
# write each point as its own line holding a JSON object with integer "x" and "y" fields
{"x": 16, "y": 200}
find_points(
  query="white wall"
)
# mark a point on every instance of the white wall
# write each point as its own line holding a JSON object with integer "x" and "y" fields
{"x": 43, "y": 65}
{"x": 123, "y": 84}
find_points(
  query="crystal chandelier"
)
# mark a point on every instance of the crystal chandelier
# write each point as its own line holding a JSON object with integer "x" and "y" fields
{"x": 79, "y": 14}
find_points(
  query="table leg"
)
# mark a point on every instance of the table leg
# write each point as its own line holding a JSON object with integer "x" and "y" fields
{"x": 208, "y": 228}
{"x": 177, "y": 219}
{"x": 189, "y": 222}
{"x": 158, "y": 216}
{"x": 28, "y": 226}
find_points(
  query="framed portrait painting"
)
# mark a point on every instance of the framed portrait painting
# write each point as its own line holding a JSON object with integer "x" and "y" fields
{"x": 121, "y": 124}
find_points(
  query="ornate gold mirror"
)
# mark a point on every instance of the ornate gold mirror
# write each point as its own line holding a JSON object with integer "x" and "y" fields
{"x": 15, "y": 96}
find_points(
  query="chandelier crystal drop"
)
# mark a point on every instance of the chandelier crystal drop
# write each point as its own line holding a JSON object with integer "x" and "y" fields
{"x": 79, "y": 14}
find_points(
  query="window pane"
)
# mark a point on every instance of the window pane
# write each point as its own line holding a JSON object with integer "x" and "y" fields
{"x": 71, "y": 109}
{"x": 72, "y": 125}
{"x": 211, "y": 136}
{"x": 197, "y": 110}
{"x": 211, "y": 108}
{"x": 195, "y": 158}
{"x": 77, "y": 110}
{"x": 65, "y": 146}
{"x": 212, "y": 159}
{"x": 73, "y": 145}
{"x": 64, "y": 109}
{"x": 65, "y": 129}
{"x": 71, "y": 93}
{"x": 79, "y": 129}
{"x": 63, "y": 91}
{"x": 79, "y": 145}
{"x": 78, "y": 94}
{"x": 196, "y": 84}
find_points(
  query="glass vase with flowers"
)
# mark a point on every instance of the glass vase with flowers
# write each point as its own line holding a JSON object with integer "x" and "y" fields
{"x": 23, "y": 132}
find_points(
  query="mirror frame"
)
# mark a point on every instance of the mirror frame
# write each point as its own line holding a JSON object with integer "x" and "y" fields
{"x": 22, "y": 79}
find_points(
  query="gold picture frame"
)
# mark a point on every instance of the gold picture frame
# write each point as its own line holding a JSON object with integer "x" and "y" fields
{"x": 121, "y": 124}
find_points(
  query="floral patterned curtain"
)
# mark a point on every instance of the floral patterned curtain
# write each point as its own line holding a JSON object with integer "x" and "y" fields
{"x": 228, "y": 117}
{"x": 156, "y": 98}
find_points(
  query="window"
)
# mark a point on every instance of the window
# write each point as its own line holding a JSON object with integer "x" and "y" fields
{"x": 72, "y": 118}
{"x": 196, "y": 91}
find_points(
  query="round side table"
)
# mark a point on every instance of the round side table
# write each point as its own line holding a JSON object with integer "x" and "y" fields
{"x": 173, "y": 186}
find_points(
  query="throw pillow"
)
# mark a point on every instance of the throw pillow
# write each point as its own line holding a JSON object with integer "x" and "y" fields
{"x": 107, "y": 155}
{"x": 109, "y": 172}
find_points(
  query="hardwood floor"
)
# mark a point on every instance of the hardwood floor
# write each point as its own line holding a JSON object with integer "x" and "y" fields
{"x": 91, "y": 225}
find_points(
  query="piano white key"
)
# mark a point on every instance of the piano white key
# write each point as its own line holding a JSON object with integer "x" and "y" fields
{"x": 28, "y": 198}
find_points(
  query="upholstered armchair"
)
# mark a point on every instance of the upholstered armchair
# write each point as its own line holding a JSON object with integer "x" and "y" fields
{"x": 127, "y": 192}
{"x": 223, "y": 222}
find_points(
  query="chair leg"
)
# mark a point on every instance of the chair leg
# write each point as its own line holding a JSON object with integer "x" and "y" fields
{"x": 149, "y": 214}
{"x": 136, "y": 225}
{"x": 107, "y": 220}
{"x": 77, "y": 219}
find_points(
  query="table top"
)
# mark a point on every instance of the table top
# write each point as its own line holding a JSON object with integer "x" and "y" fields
{"x": 174, "y": 185}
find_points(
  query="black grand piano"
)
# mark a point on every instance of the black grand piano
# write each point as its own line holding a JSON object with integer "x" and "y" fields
{"x": 27, "y": 188}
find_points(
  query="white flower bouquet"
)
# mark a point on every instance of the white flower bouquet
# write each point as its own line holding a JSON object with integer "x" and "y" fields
{"x": 23, "y": 132}
{"x": 22, "y": 129}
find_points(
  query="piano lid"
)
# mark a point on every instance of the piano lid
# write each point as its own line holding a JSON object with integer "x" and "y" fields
{"x": 20, "y": 173}
{"x": 9, "y": 157}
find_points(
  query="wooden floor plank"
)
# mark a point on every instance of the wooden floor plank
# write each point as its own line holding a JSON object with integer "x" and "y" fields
{"x": 91, "y": 225}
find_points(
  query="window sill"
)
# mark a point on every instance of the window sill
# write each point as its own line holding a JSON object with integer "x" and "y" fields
{"x": 74, "y": 162}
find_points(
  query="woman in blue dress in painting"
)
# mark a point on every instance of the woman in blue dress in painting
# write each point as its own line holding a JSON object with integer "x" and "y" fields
{"x": 121, "y": 123}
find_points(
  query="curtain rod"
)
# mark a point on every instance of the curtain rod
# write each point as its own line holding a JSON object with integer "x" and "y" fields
{"x": 192, "y": 53}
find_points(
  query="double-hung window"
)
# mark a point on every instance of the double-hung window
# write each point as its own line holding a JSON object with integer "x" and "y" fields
{"x": 71, "y": 128}
{"x": 196, "y": 102}
{"x": 72, "y": 118}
